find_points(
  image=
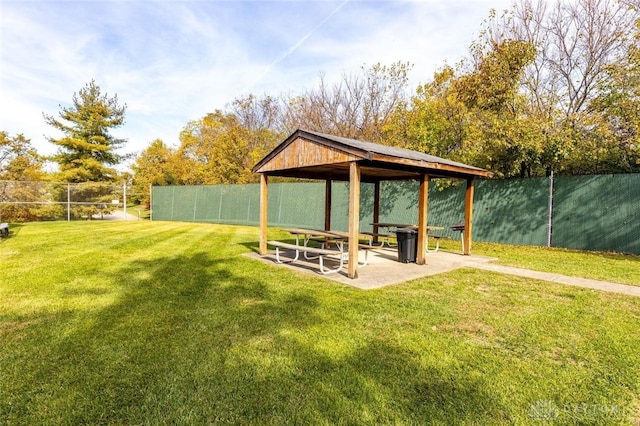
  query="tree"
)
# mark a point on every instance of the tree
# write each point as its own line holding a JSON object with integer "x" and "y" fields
{"x": 475, "y": 116}
{"x": 357, "y": 106}
{"x": 618, "y": 105}
{"x": 154, "y": 166}
{"x": 263, "y": 118}
{"x": 437, "y": 121}
{"x": 576, "y": 42}
{"x": 217, "y": 149}
{"x": 257, "y": 114}
{"x": 20, "y": 167}
{"x": 87, "y": 151}
{"x": 19, "y": 161}
{"x": 529, "y": 99}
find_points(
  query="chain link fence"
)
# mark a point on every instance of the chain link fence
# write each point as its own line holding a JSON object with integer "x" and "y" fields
{"x": 22, "y": 201}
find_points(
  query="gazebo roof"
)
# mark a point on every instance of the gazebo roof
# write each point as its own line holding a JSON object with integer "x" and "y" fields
{"x": 313, "y": 155}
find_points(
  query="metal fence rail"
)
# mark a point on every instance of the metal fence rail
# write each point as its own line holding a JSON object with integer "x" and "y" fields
{"x": 22, "y": 201}
{"x": 583, "y": 212}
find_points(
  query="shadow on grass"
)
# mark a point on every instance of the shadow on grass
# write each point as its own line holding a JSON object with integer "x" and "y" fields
{"x": 199, "y": 339}
{"x": 14, "y": 230}
{"x": 377, "y": 383}
{"x": 253, "y": 246}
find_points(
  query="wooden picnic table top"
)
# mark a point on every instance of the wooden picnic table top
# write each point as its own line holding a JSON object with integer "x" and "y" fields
{"x": 320, "y": 233}
{"x": 405, "y": 225}
{"x": 315, "y": 233}
{"x": 345, "y": 234}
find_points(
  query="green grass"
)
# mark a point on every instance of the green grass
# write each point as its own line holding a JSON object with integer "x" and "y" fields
{"x": 167, "y": 323}
{"x": 603, "y": 266}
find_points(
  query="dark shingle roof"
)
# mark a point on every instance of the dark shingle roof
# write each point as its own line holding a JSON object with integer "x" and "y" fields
{"x": 390, "y": 151}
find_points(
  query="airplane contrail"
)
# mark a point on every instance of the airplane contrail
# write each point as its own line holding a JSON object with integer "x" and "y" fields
{"x": 299, "y": 43}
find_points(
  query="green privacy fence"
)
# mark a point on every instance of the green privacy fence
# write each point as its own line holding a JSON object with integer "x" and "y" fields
{"x": 598, "y": 213}
{"x": 583, "y": 212}
{"x": 514, "y": 211}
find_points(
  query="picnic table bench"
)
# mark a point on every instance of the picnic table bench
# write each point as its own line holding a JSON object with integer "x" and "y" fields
{"x": 4, "y": 230}
{"x": 435, "y": 237}
{"x": 459, "y": 227}
{"x": 320, "y": 252}
{"x": 325, "y": 238}
{"x": 376, "y": 236}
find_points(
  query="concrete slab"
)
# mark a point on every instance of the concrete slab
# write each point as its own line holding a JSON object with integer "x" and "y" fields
{"x": 383, "y": 268}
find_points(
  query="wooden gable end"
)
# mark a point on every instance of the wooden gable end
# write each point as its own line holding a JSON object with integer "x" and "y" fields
{"x": 304, "y": 153}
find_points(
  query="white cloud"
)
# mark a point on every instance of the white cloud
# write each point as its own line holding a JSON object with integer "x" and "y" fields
{"x": 174, "y": 61}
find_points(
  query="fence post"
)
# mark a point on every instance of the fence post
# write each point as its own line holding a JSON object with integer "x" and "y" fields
{"x": 68, "y": 202}
{"x": 550, "y": 213}
{"x": 151, "y": 202}
{"x": 195, "y": 204}
{"x": 124, "y": 200}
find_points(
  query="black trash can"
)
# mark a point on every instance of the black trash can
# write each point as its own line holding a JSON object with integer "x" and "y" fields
{"x": 407, "y": 244}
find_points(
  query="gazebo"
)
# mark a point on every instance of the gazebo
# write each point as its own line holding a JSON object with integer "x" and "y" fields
{"x": 318, "y": 156}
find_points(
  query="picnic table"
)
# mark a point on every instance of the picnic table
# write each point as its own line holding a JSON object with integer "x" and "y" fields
{"x": 325, "y": 238}
{"x": 389, "y": 226}
{"x": 376, "y": 235}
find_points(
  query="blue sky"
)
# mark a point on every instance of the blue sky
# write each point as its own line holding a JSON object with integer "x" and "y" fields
{"x": 175, "y": 61}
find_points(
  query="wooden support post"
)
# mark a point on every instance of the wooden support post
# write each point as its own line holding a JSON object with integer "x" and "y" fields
{"x": 354, "y": 217}
{"x": 423, "y": 209}
{"x": 264, "y": 197}
{"x": 376, "y": 209}
{"x": 327, "y": 205}
{"x": 468, "y": 216}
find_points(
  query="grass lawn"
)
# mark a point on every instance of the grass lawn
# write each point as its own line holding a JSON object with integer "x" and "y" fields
{"x": 167, "y": 323}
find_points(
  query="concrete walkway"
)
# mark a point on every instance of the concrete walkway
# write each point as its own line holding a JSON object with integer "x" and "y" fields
{"x": 562, "y": 279}
{"x": 384, "y": 270}
{"x": 120, "y": 215}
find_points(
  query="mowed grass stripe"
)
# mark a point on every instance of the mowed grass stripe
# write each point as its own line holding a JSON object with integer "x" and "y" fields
{"x": 183, "y": 329}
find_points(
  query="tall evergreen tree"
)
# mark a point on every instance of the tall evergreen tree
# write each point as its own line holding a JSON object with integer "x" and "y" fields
{"x": 87, "y": 151}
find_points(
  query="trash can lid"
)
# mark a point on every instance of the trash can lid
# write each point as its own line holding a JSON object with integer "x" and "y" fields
{"x": 406, "y": 231}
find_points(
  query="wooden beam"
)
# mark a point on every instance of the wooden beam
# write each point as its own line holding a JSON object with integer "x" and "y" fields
{"x": 327, "y": 205}
{"x": 354, "y": 217}
{"x": 435, "y": 166}
{"x": 468, "y": 216}
{"x": 423, "y": 210}
{"x": 264, "y": 196}
{"x": 376, "y": 209}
